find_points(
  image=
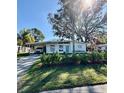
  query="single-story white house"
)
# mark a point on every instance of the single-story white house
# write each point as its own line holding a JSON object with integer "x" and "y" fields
{"x": 65, "y": 46}
{"x": 59, "y": 46}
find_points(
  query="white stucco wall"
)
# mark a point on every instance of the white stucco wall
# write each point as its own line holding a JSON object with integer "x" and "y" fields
{"x": 77, "y": 48}
{"x": 48, "y": 48}
{"x": 57, "y": 48}
{"x": 80, "y": 47}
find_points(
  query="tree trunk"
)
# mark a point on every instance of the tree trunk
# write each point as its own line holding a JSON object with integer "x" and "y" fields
{"x": 73, "y": 46}
{"x": 73, "y": 41}
{"x": 18, "y": 49}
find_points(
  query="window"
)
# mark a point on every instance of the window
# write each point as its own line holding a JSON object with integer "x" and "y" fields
{"x": 67, "y": 48}
{"x": 60, "y": 47}
{"x": 79, "y": 46}
{"x": 52, "y": 48}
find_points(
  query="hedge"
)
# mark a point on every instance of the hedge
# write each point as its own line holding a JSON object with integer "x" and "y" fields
{"x": 56, "y": 58}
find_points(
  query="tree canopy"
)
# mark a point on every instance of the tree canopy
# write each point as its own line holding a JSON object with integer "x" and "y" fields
{"x": 29, "y": 36}
{"x": 76, "y": 19}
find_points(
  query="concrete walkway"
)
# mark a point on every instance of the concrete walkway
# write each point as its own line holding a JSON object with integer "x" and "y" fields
{"x": 24, "y": 63}
{"x": 87, "y": 89}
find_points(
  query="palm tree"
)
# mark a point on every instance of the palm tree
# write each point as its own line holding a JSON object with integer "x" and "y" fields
{"x": 19, "y": 41}
{"x": 29, "y": 36}
{"x": 24, "y": 37}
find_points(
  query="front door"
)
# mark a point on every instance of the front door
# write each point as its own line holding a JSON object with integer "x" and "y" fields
{"x": 67, "y": 49}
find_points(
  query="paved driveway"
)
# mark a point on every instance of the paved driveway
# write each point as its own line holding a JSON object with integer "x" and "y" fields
{"x": 24, "y": 63}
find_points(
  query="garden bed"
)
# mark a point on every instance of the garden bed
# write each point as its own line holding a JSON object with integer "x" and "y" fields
{"x": 84, "y": 58}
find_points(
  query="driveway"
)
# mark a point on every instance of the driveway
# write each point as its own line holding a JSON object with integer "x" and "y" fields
{"x": 87, "y": 89}
{"x": 24, "y": 63}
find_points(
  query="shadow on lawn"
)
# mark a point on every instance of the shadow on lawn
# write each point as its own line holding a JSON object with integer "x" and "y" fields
{"x": 40, "y": 79}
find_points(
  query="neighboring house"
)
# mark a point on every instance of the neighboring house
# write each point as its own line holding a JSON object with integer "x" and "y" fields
{"x": 64, "y": 46}
{"x": 101, "y": 47}
{"x": 23, "y": 49}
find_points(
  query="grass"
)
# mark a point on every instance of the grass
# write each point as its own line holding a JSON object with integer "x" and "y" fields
{"x": 22, "y": 54}
{"x": 49, "y": 78}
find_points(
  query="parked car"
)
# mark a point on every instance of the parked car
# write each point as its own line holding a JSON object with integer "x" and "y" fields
{"x": 38, "y": 51}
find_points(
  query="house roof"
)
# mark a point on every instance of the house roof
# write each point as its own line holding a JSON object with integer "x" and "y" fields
{"x": 52, "y": 42}
{"x": 101, "y": 45}
{"x": 58, "y": 41}
{"x": 61, "y": 41}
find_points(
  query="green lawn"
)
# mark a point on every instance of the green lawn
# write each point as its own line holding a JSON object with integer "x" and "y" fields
{"x": 22, "y": 54}
{"x": 48, "y": 78}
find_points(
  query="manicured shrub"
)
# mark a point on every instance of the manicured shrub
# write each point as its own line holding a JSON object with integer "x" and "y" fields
{"x": 98, "y": 56}
{"x": 66, "y": 59}
{"x": 94, "y": 56}
{"x": 102, "y": 56}
{"x": 76, "y": 59}
{"x": 105, "y": 56}
{"x": 84, "y": 58}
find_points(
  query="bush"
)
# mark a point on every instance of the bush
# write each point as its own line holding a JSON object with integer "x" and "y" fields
{"x": 105, "y": 56}
{"x": 84, "y": 58}
{"x": 44, "y": 58}
{"x": 56, "y": 58}
{"x": 94, "y": 56}
{"x": 66, "y": 59}
{"x": 76, "y": 59}
{"x": 99, "y": 56}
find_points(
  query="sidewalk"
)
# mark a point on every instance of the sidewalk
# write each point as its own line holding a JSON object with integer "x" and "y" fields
{"x": 87, "y": 89}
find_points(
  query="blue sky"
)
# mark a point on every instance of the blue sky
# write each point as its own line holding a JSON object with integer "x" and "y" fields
{"x": 33, "y": 13}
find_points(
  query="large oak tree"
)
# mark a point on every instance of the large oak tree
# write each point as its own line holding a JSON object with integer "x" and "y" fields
{"x": 79, "y": 20}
